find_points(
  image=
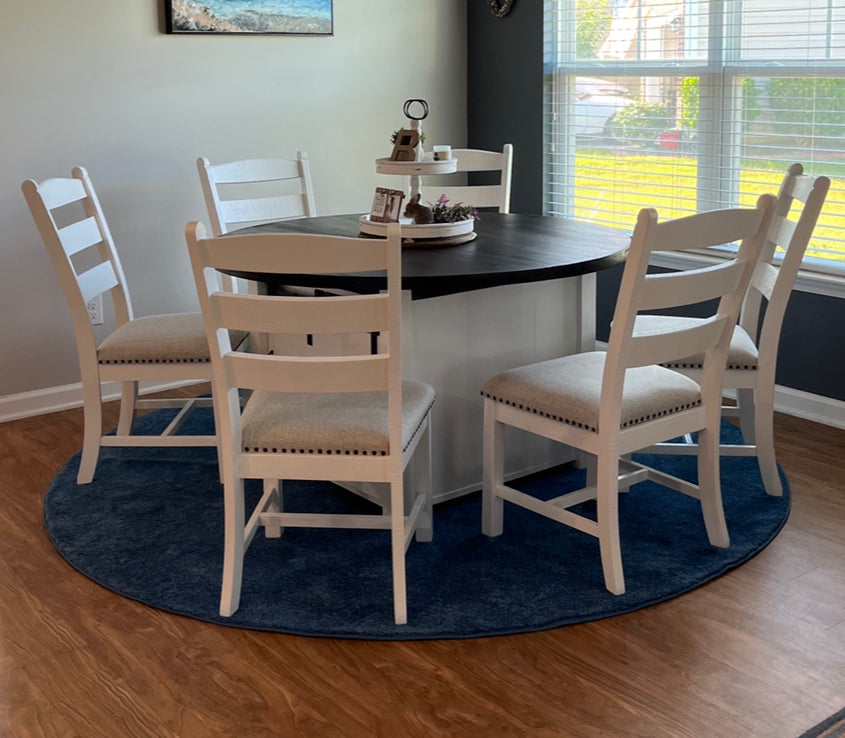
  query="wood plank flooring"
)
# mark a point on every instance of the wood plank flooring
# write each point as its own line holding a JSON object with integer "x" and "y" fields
{"x": 758, "y": 652}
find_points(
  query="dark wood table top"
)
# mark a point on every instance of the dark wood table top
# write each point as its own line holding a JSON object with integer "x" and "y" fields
{"x": 508, "y": 249}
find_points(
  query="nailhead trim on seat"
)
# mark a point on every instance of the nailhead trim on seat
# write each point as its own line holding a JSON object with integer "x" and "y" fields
{"x": 205, "y": 360}
{"x": 593, "y": 429}
{"x": 698, "y": 365}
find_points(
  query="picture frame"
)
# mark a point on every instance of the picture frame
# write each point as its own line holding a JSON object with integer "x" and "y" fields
{"x": 250, "y": 17}
{"x": 387, "y": 205}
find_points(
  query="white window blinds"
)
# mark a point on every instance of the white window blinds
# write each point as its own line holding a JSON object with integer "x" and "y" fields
{"x": 689, "y": 105}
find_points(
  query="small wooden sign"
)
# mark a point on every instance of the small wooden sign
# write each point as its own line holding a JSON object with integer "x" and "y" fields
{"x": 387, "y": 204}
{"x": 404, "y": 148}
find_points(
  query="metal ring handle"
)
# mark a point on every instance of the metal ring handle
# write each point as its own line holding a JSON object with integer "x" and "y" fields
{"x": 407, "y": 109}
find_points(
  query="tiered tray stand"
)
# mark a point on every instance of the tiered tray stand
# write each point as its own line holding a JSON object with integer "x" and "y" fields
{"x": 430, "y": 234}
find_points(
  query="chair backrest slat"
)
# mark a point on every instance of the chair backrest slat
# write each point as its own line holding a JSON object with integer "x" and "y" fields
{"x": 295, "y": 254}
{"x": 657, "y": 348}
{"x": 333, "y": 374}
{"x": 60, "y": 191}
{"x": 255, "y": 170}
{"x": 704, "y": 230}
{"x": 343, "y": 314}
{"x": 96, "y": 280}
{"x": 80, "y": 235}
{"x": 690, "y": 287}
{"x": 261, "y": 210}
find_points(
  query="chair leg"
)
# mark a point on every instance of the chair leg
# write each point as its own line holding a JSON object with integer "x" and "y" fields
{"x": 274, "y": 486}
{"x": 607, "y": 500}
{"x": 397, "y": 551}
{"x": 493, "y": 467}
{"x": 422, "y": 485}
{"x": 128, "y": 397}
{"x": 746, "y": 403}
{"x": 765, "y": 441}
{"x": 709, "y": 486}
{"x": 93, "y": 416}
{"x": 233, "y": 546}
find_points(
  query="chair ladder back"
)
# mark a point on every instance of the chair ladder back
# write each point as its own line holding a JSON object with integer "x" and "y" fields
{"x": 641, "y": 291}
{"x": 225, "y": 214}
{"x": 319, "y": 314}
{"x": 66, "y": 241}
{"x": 484, "y": 195}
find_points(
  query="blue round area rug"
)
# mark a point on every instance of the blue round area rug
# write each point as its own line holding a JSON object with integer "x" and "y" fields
{"x": 150, "y": 527}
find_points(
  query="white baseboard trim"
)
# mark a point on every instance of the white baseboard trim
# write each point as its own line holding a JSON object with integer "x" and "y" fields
{"x": 805, "y": 405}
{"x": 65, "y": 397}
{"x": 819, "y": 409}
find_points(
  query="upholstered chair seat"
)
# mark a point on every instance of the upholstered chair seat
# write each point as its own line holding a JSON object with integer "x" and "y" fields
{"x": 331, "y": 423}
{"x": 177, "y": 338}
{"x": 568, "y": 390}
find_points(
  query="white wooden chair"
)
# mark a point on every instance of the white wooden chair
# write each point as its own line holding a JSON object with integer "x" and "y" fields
{"x": 156, "y": 347}
{"x": 482, "y": 195}
{"x": 753, "y": 351}
{"x": 346, "y": 418}
{"x": 610, "y": 404}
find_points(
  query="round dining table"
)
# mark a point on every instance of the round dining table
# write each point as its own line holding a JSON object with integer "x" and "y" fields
{"x": 508, "y": 248}
{"x": 522, "y": 290}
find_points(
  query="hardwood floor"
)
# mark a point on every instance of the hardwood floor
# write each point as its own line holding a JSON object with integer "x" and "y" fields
{"x": 758, "y": 652}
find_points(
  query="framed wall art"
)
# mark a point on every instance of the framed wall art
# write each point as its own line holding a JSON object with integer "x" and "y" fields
{"x": 260, "y": 17}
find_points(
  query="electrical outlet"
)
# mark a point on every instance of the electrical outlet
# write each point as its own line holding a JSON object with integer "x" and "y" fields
{"x": 95, "y": 310}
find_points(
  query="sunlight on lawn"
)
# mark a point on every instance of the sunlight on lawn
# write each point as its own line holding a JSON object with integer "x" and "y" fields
{"x": 617, "y": 185}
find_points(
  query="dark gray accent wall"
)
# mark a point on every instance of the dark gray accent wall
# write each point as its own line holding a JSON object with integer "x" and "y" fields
{"x": 505, "y": 105}
{"x": 505, "y": 92}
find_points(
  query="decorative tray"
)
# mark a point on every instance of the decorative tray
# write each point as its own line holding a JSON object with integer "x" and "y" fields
{"x": 411, "y": 230}
{"x": 426, "y": 166}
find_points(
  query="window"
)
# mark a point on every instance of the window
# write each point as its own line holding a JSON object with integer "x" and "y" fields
{"x": 689, "y": 105}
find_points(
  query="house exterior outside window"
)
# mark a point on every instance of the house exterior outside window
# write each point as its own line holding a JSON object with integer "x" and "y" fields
{"x": 690, "y": 105}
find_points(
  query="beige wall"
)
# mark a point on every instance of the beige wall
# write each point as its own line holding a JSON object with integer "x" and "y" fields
{"x": 98, "y": 84}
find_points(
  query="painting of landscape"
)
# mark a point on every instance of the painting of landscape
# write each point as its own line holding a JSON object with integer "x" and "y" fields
{"x": 304, "y": 17}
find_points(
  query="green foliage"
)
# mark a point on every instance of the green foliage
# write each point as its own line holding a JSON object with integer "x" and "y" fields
{"x": 689, "y": 97}
{"x": 592, "y": 23}
{"x": 445, "y": 213}
{"x": 806, "y": 108}
{"x": 642, "y": 122}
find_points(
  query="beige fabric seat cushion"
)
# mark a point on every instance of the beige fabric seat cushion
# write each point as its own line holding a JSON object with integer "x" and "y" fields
{"x": 568, "y": 390}
{"x": 176, "y": 338}
{"x": 331, "y": 423}
{"x": 742, "y": 353}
